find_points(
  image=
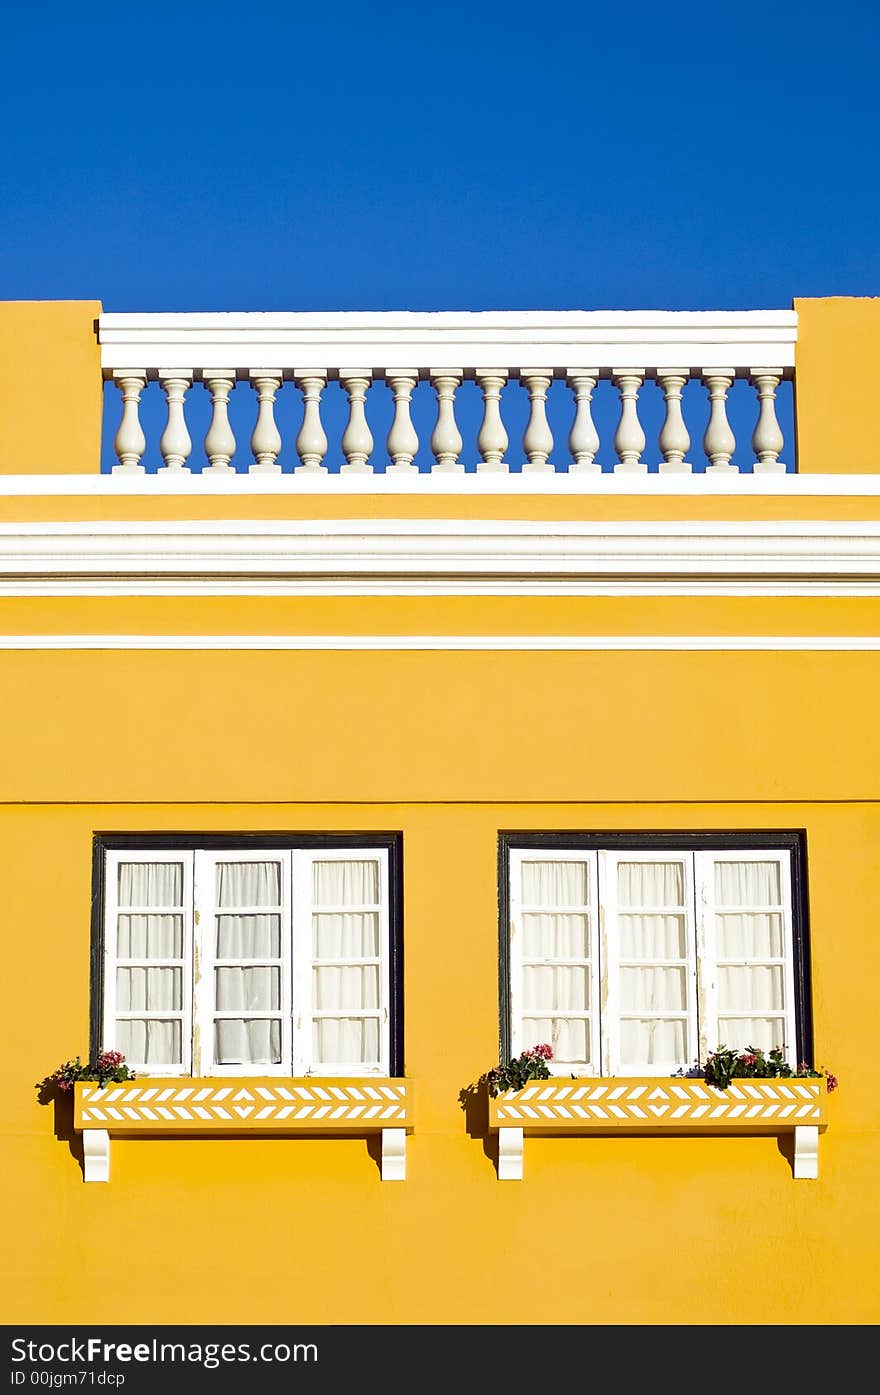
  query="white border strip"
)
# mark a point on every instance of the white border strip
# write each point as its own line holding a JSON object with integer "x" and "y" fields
{"x": 295, "y": 484}
{"x": 478, "y": 643}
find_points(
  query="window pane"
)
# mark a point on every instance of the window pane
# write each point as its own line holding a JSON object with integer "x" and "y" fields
{"x": 346, "y": 987}
{"x": 149, "y": 937}
{"x": 547, "y": 936}
{"x": 337, "y": 1040}
{"x": 345, "y": 935}
{"x": 248, "y": 937}
{"x": 149, "y": 990}
{"x": 747, "y": 884}
{"x": 649, "y": 1042}
{"x": 650, "y": 883}
{"x": 548, "y": 988}
{"x": 745, "y": 936}
{"x": 763, "y": 1032}
{"x": 345, "y": 883}
{"x": 248, "y": 884}
{"x": 249, "y": 990}
{"x": 756, "y": 988}
{"x": 555, "y": 883}
{"x": 150, "y": 884}
{"x": 238, "y": 1041}
{"x": 569, "y": 1037}
{"x": 151, "y": 1043}
{"x": 652, "y": 936}
{"x": 653, "y": 989}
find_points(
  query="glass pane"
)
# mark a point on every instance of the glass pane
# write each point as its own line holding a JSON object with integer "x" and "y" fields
{"x": 248, "y": 883}
{"x": 555, "y": 883}
{"x": 346, "y": 987}
{"x": 751, "y": 988}
{"x": 248, "y": 937}
{"x": 239, "y": 1042}
{"x": 337, "y": 1040}
{"x": 569, "y": 1037}
{"x": 763, "y": 1032}
{"x": 149, "y": 1043}
{"x": 649, "y": 1042}
{"x": 345, "y": 883}
{"x": 749, "y": 935}
{"x": 650, "y": 883}
{"x": 149, "y": 937}
{"x": 653, "y": 936}
{"x": 150, "y": 884}
{"x": 248, "y": 990}
{"x": 149, "y": 990}
{"x": 345, "y": 935}
{"x": 547, "y": 936}
{"x": 747, "y": 884}
{"x": 653, "y": 989}
{"x": 549, "y": 988}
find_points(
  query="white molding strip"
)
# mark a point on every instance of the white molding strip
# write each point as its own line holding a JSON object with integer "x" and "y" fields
{"x": 414, "y": 340}
{"x": 187, "y": 484}
{"x": 439, "y": 557}
{"x": 473, "y": 643}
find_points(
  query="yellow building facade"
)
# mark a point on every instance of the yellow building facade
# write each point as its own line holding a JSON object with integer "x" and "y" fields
{"x": 667, "y": 661}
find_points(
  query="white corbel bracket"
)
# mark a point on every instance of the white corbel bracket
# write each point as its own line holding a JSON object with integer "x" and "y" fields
{"x": 96, "y": 1155}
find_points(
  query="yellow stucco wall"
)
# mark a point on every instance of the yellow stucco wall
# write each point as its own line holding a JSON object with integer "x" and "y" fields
{"x": 51, "y": 395}
{"x": 837, "y": 362}
{"x": 447, "y": 748}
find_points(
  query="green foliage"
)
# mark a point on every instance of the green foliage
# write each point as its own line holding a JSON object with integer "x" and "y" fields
{"x": 529, "y": 1065}
{"x": 725, "y": 1064}
{"x": 108, "y": 1067}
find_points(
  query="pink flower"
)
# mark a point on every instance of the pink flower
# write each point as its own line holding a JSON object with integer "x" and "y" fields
{"x": 544, "y": 1051}
{"x": 831, "y": 1081}
{"x": 748, "y": 1058}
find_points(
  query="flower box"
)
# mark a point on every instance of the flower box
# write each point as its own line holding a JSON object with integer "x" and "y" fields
{"x": 244, "y": 1106}
{"x": 651, "y": 1104}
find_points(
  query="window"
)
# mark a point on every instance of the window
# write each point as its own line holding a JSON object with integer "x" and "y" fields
{"x": 638, "y": 957}
{"x": 250, "y": 958}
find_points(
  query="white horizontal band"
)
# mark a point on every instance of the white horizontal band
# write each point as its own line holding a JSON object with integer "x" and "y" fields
{"x": 557, "y": 643}
{"x": 185, "y": 483}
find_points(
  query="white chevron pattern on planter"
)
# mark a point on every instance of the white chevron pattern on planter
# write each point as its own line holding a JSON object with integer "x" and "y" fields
{"x": 652, "y": 1105}
{"x": 227, "y": 1106}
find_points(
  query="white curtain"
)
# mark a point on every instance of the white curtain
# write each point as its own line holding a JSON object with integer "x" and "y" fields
{"x": 142, "y": 934}
{"x": 650, "y": 941}
{"x": 346, "y": 990}
{"x": 556, "y": 926}
{"x": 245, "y": 931}
{"x": 749, "y": 932}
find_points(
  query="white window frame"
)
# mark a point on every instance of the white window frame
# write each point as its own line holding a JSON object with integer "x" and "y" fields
{"x": 700, "y": 962}
{"x": 297, "y": 963}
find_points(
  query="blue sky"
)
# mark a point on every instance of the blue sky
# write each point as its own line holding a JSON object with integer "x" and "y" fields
{"x": 345, "y": 157}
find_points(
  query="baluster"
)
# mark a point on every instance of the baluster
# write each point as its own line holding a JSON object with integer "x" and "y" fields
{"x": 492, "y": 438}
{"x": 357, "y": 439}
{"x": 583, "y": 439}
{"x": 537, "y": 438}
{"x": 219, "y": 441}
{"x": 719, "y": 442}
{"x": 311, "y": 443}
{"x": 266, "y": 439}
{"x": 402, "y": 442}
{"x": 446, "y": 439}
{"x": 767, "y": 440}
{"x": 130, "y": 442}
{"x": 674, "y": 439}
{"x": 629, "y": 438}
{"x": 175, "y": 443}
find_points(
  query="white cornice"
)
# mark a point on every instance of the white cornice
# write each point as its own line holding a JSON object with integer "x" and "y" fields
{"x": 186, "y": 484}
{"x": 473, "y": 643}
{"x": 559, "y": 340}
{"x": 445, "y": 556}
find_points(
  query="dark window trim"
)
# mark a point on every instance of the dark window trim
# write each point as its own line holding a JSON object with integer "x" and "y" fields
{"x": 187, "y": 842}
{"x": 793, "y": 841}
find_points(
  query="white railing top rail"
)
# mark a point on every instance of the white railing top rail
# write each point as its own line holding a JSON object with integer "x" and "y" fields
{"x": 562, "y": 341}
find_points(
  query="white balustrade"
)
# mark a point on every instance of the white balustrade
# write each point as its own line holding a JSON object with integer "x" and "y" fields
{"x": 619, "y": 369}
